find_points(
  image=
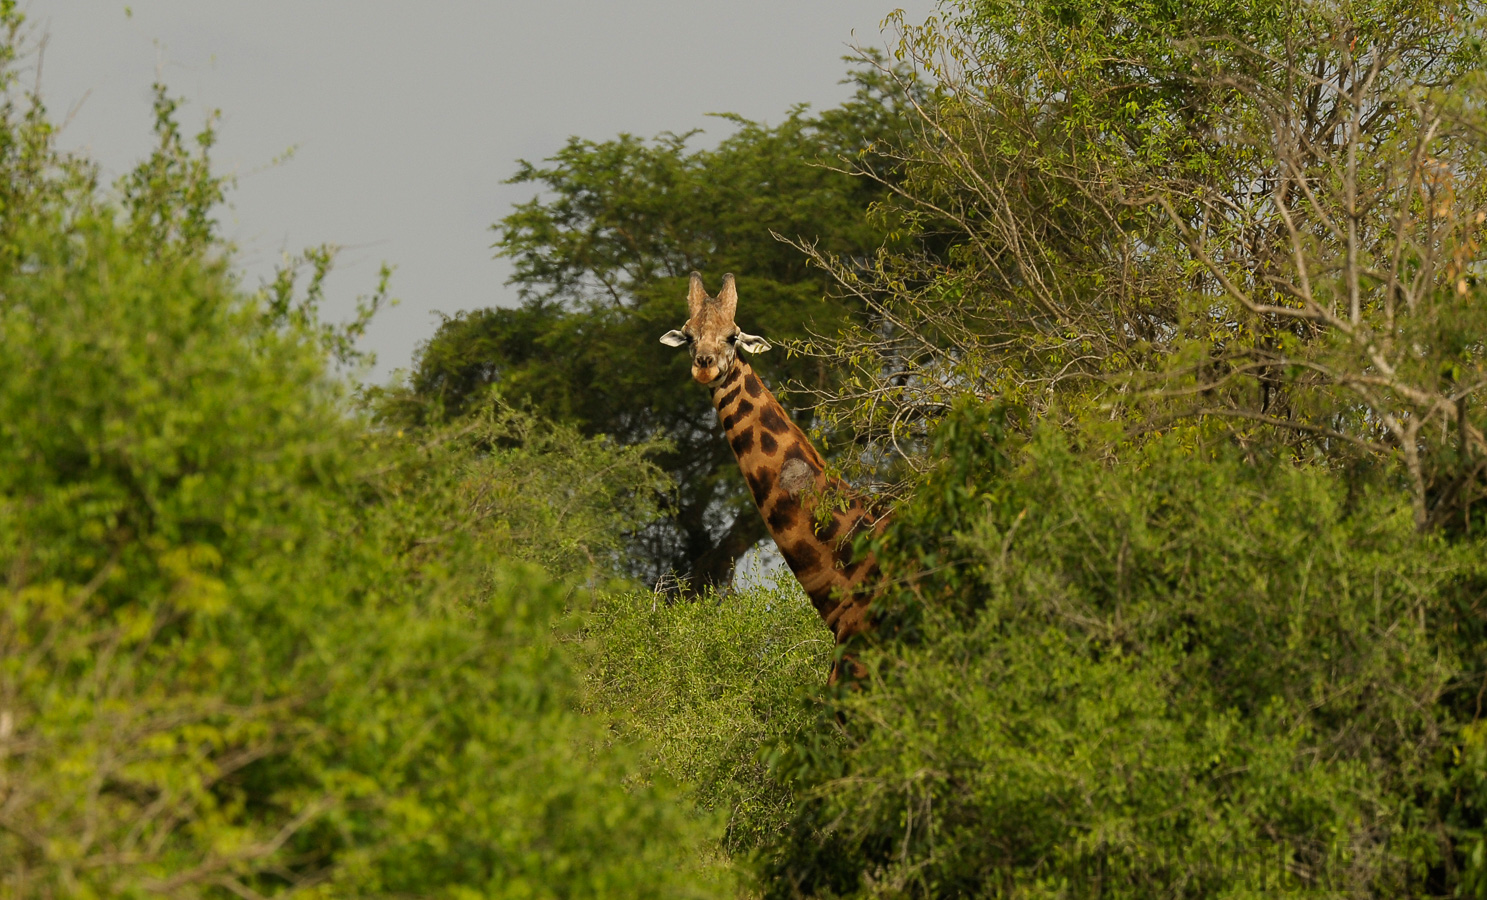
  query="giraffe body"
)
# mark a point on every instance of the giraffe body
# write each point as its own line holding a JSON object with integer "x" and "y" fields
{"x": 785, "y": 474}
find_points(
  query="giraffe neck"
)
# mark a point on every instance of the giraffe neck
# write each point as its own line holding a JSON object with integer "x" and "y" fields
{"x": 786, "y": 477}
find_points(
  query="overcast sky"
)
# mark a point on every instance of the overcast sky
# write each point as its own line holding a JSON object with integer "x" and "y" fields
{"x": 406, "y": 117}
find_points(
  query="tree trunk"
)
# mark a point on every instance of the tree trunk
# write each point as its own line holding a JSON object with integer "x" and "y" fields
{"x": 714, "y": 567}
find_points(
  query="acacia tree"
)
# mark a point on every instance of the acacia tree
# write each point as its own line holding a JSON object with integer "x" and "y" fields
{"x": 601, "y": 259}
{"x": 1268, "y": 215}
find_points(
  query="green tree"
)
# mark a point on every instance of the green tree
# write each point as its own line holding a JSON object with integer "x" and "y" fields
{"x": 250, "y": 646}
{"x": 601, "y": 260}
{"x": 1266, "y": 213}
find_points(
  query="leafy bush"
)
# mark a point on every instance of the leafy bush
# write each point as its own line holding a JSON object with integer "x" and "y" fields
{"x": 536, "y": 490}
{"x": 709, "y": 684}
{"x": 248, "y": 647}
{"x": 1175, "y": 674}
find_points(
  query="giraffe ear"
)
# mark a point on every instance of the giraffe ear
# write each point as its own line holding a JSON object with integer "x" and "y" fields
{"x": 696, "y": 294}
{"x": 752, "y": 342}
{"x": 674, "y": 338}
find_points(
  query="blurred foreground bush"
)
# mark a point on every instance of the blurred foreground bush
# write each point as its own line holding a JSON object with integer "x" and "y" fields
{"x": 248, "y": 646}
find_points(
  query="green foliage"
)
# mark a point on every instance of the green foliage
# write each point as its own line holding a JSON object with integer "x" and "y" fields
{"x": 36, "y": 182}
{"x": 286, "y": 306}
{"x": 172, "y": 196}
{"x": 1266, "y": 213}
{"x": 602, "y": 259}
{"x": 1175, "y": 674}
{"x": 257, "y": 638}
{"x": 1467, "y": 816}
{"x": 710, "y": 683}
{"x": 535, "y": 490}
{"x": 249, "y": 647}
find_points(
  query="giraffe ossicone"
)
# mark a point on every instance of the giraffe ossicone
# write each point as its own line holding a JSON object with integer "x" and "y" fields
{"x": 785, "y": 474}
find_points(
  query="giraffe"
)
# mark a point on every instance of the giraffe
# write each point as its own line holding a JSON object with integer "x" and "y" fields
{"x": 785, "y": 474}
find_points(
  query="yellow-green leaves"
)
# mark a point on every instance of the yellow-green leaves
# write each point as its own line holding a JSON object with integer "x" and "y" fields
{"x": 194, "y": 585}
{"x": 249, "y": 644}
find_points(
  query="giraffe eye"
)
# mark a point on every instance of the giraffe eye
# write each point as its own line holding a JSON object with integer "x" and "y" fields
{"x": 733, "y": 338}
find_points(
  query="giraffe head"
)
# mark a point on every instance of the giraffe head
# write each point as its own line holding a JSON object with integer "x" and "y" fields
{"x": 710, "y": 334}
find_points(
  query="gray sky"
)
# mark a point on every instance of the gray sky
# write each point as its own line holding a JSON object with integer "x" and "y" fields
{"x": 406, "y": 117}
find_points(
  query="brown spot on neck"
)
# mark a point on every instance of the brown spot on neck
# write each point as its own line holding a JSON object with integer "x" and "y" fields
{"x": 761, "y": 482}
{"x": 773, "y": 419}
{"x": 782, "y": 517}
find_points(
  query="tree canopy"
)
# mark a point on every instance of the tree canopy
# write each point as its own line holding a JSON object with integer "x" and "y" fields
{"x": 1177, "y": 347}
{"x": 601, "y": 259}
{"x": 1268, "y": 214}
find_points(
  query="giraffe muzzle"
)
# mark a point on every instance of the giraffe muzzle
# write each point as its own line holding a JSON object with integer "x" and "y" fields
{"x": 707, "y": 367}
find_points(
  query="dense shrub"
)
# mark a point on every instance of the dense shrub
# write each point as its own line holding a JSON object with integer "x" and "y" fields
{"x": 710, "y": 684}
{"x": 1177, "y": 674}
